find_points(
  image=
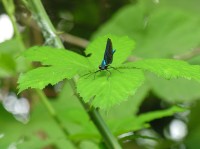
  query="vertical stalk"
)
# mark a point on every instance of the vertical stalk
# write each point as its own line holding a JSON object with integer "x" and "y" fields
{"x": 49, "y": 32}
{"x": 44, "y": 23}
{"x": 110, "y": 140}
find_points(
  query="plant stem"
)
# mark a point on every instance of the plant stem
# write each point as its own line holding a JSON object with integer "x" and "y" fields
{"x": 109, "y": 139}
{"x": 49, "y": 32}
{"x": 44, "y": 23}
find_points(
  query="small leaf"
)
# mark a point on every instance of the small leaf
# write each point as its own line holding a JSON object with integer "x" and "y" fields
{"x": 136, "y": 123}
{"x": 123, "y": 46}
{"x": 168, "y": 68}
{"x": 63, "y": 64}
{"x": 147, "y": 117}
{"x": 112, "y": 90}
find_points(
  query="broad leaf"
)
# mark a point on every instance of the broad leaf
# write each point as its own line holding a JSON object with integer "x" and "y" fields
{"x": 60, "y": 63}
{"x": 168, "y": 68}
{"x": 134, "y": 101}
{"x": 40, "y": 77}
{"x": 123, "y": 46}
{"x": 105, "y": 91}
{"x": 56, "y": 57}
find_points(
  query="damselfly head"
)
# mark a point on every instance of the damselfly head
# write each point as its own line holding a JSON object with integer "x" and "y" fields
{"x": 102, "y": 67}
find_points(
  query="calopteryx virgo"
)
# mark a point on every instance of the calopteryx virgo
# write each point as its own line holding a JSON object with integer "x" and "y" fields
{"x": 108, "y": 57}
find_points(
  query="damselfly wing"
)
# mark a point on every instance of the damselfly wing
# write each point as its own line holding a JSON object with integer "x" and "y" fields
{"x": 108, "y": 55}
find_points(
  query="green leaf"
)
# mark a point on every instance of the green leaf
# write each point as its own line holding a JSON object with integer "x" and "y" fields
{"x": 40, "y": 77}
{"x": 147, "y": 117}
{"x": 134, "y": 123}
{"x": 168, "y": 68}
{"x": 123, "y": 46}
{"x": 109, "y": 90}
{"x": 60, "y": 63}
{"x": 56, "y": 57}
{"x": 120, "y": 111}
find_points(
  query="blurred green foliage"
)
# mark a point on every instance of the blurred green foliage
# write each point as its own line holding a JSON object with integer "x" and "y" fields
{"x": 166, "y": 29}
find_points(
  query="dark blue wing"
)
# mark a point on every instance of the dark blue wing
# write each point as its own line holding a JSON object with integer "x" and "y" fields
{"x": 108, "y": 55}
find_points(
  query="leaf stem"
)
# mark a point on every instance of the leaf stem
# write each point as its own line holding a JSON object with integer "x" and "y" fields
{"x": 49, "y": 32}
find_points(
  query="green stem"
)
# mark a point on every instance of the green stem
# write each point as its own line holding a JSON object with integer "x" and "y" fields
{"x": 44, "y": 22}
{"x": 110, "y": 140}
{"x": 49, "y": 32}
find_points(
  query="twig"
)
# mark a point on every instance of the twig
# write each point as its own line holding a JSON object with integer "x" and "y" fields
{"x": 74, "y": 40}
{"x": 188, "y": 55}
{"x": 69, "y": 38}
